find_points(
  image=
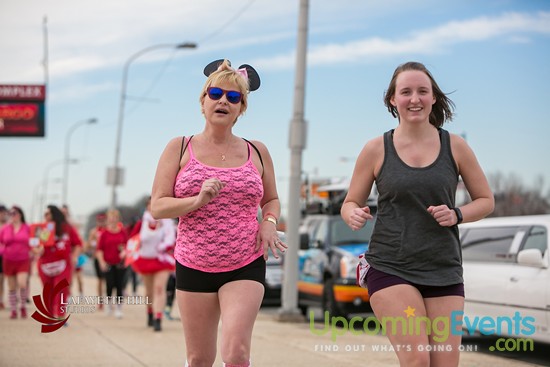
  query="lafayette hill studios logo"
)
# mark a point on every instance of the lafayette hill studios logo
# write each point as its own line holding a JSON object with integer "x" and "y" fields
{"x": 44, "y": 314}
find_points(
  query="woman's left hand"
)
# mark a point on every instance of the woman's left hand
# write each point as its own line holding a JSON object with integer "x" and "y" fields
{"x": 445, "y": 216}
{"x": 269, "y": 239}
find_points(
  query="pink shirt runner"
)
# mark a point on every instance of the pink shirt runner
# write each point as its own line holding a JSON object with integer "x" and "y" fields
{"x": 16, "y": 243}
{"x": 221, "y": 235}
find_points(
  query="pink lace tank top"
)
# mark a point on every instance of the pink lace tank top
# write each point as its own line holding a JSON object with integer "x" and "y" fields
{"x": 221, "y": 235}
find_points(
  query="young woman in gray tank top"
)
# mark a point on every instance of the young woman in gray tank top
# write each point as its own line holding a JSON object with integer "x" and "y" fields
{"x": 414, "y": 254}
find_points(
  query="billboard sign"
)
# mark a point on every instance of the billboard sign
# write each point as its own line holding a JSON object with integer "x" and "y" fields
{"x": 22, "y": 110}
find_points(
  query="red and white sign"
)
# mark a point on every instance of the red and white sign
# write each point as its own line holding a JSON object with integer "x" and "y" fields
{"x": 22, "y": 110}
{"x": 9, "y": 92}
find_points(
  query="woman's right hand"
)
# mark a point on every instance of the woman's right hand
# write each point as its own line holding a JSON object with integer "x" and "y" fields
{"x": 209, "y": 190}
{"x": 37, "y": 250}
{"x": 359, "y": 217}
{"x": 103, "y": 267}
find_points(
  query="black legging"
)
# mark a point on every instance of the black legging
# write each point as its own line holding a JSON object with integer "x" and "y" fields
{"x": 114, "y": 278}
{"x": 130, "y": 275}
{"x": 170, "y": 289}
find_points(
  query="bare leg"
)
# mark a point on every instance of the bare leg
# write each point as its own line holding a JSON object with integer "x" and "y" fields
{"x": 12, "y": 295}
{"x": 389, "y": 305}
{"x": 442, "y": 308}
{"x": 1, "y": 290}
{"x": 159, "y": 291}
{"x": 240, "y": 302}
{"x": 148, "y": 283}
{"x": 200, "y": 315}
{"x": 159, "y": 297}
{"x": 22, "y": 282}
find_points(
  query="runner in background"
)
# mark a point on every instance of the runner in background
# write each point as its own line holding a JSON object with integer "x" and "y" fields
{"x": 111, "y": 249}
{"x": 155, "y": 261}
{"x": 14, "y": 236}
{"x": 56, "y": 258}
{"x": 3, "y": 221}
{"x": 91, "y": 248}
{"x": 82, "y": 257}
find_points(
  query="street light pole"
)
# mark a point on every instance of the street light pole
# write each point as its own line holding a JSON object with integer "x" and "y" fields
{"x": 114, "y": 176}
{"x": 46, "y": 178}
{"x": 66, "y": 157}
{"x": 297, "y": 143}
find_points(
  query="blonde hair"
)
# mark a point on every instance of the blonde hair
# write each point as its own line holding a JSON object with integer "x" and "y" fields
{"x": 226, "y": 74}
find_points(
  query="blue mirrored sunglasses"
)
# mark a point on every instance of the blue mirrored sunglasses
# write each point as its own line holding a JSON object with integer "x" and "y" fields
{"x": 232, "y": 96}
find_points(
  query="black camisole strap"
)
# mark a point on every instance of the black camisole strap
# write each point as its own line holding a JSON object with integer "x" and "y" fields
{"x": 257, "y": 151}
{"x": 184, "y": 146}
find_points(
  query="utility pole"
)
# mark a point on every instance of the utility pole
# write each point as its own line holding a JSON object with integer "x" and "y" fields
{"x": 45, "y": 61}
{"x": 297, "y": 142}
{"x": 115, "y": 173}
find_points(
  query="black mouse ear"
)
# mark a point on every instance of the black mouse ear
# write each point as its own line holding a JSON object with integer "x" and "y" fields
{"x": 253, "y": 77}
{"x": 213, "y": 66}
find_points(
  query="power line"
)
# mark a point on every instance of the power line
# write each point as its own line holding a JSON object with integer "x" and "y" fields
{"x": 161, "y": 72}
{"x": 225, "y": 25}
{"x": 143, "y": 97}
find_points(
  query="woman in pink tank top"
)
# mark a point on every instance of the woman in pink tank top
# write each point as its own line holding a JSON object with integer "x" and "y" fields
{"x": 215, "y": 183}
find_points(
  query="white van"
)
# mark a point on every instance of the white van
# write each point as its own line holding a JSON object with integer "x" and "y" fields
{"x": 507, "y": 276}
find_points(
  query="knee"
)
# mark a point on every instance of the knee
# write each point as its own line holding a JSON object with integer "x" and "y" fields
{"x": 236, "y": 353}
{"x": 158, "y": 290}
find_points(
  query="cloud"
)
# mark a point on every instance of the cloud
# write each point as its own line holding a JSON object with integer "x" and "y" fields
{"x": 427, "y": 41}
{"x": 93, "y": 36}
{"x": 81, "y": 91}
{"x": 103, "y": 39}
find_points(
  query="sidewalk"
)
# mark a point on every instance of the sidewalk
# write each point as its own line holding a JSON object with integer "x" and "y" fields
{"x": 96, "y": 339}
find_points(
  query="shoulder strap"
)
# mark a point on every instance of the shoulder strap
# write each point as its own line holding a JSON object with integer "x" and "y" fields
{"x": 257, "y": 151}
{"x": 184, "y": 146}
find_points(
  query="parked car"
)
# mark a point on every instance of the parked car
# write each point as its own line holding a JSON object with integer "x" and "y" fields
{"x": 507, "y": 276}
{"x": 327, "y": 265}
{"x": 274, "y": 278}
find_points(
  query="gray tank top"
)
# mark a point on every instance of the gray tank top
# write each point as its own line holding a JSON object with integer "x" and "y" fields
{"x": 407, "y": 241}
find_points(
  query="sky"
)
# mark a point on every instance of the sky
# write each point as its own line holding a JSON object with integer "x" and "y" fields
{"x": 493, "y": 57}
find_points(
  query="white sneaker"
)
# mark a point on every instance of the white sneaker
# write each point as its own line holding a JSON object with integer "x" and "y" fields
{"x": 118, "y": 313}
{"x": 109, "y": 309}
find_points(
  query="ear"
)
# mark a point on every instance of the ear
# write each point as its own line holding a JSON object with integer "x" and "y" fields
{"x": 435, "y": 100}
{"x": 392, "y": 101}
{"x": 253, "y": 77}
{"x": 213, "y": 66}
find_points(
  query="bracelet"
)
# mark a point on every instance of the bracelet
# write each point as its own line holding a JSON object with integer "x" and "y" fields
{"x": 270, "y": 219}
{"x": 266, "y": 216}
{"x": 459, "y": 217}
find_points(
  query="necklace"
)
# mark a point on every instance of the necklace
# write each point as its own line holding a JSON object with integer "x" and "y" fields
{"x": 223, "y": 153}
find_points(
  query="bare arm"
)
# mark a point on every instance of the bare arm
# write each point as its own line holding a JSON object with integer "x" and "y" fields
{"x": 483, "y": 202}
{"x": 92, "y": 238}
{"x": 354, "y": 211}
{"x": 270, "y": 204}
{"x": 163, "y": 202}
{"x": 270, "y": 201}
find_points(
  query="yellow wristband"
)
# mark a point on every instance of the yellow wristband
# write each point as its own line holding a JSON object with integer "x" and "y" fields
{"x": 271, "y": 219}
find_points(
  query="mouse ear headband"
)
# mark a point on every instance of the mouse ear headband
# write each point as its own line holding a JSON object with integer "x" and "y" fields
{"x": 247, "y": 71}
